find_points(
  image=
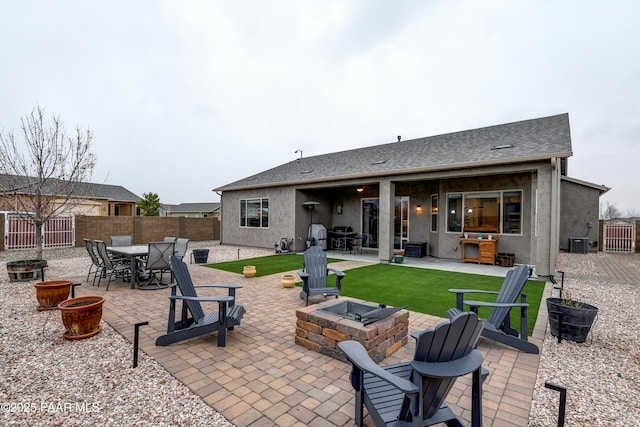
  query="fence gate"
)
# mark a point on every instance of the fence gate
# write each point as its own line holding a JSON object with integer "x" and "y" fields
{"x": 58, "y": 232}
{"x": 619, "y": 238}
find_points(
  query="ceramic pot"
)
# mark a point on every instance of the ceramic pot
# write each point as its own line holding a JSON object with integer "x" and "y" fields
{"x": 51, "y": 293}
{"x": 249, "y": 271}
{"x": 81, "y": 316}
{"x": 288, "y": 281}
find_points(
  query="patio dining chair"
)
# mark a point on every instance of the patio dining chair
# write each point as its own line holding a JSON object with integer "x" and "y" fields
{"x": 111, "y": 268}
{"x": 157, "y": 262}
{"x": 96, "y": 262}
{"x": 181, "y": 247}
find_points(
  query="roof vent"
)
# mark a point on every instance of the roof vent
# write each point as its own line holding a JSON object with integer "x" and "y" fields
{"x": 307, "y": 171}
{"x": 380, "y": 162}
{"x": 500, "y": 147}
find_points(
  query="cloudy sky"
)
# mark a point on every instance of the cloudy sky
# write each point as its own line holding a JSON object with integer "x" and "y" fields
{"x": 186, "y": 96}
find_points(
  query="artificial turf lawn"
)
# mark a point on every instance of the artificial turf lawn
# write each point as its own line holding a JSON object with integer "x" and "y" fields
{"x": 266, "y": 265}
{"x": 427, "y": 291}
{"x": 422, "y": 290}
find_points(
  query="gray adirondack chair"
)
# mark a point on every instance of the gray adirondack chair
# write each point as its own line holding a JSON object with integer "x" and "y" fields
{"x": 229, "y": 313}
{"x": 413, "y": 393}
{"x": 314, "y": 275}
{"x": 498, "y": 326}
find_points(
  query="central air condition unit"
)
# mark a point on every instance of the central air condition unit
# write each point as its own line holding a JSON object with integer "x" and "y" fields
{"x": 578, "y": 245}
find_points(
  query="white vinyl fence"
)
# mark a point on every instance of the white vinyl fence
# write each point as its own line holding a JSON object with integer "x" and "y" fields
{"x": 619, "y": 238}
{"x": 58, "y": 232}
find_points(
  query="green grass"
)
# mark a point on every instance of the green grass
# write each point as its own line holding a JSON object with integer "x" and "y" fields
{"x": 265, "y": 266}
{"x": 427, "y": 291}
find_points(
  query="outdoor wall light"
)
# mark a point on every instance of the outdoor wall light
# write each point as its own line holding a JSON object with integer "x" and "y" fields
{"x": 419, "y": 209}
{"x": 339, "y": 208}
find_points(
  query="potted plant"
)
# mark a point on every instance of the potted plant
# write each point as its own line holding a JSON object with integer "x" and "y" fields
{"x": 51, "y": 293}
{"x": 27, "y": 269}
{"x": 576, "y": 317}
{"x": 81, "y": 316}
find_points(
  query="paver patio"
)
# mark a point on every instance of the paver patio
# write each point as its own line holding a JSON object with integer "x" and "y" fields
{"x": 262, "y": 378}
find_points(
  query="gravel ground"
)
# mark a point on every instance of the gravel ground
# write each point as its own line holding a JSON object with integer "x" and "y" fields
{"x": 49, "y": 381}
{"x": 602, "y": 375}
{"x": 42, "y": 385}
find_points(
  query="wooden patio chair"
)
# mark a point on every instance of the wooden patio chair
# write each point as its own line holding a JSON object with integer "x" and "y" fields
{"x": 413, "y": 393}
{"x": 314, "y": 275}
{"x": 199, "y": 323}
{"x": 498, "y": 326}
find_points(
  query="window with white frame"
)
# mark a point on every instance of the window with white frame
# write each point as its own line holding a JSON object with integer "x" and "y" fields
{"x": 254, "y": 213}
{"x": 497, "y": 209}
{"x": 434, "y": 213}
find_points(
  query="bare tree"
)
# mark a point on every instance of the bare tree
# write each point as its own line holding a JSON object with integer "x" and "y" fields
{"x": 609, "y": 211}
{"x": 632, "y": 213}
{"x": 46, "y": 172}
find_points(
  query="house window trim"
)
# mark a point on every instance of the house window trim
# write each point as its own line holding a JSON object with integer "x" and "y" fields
{"x": 501, "y": 210}
{"x": 261, "y": 208}
{"x": 434, "y": 214}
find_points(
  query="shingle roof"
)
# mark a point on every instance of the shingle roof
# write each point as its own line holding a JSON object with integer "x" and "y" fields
{"x": 193, "y": 207}
{"x": 84, "y": 189}
{"x": 522, "y": 141}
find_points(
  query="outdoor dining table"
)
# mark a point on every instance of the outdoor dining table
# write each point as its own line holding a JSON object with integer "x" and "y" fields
{"x": 133, "y": 252}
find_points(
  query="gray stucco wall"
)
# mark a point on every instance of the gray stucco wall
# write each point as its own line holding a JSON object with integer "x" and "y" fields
{"x": 579, "y": 214}
{"x": 281, "y": 217}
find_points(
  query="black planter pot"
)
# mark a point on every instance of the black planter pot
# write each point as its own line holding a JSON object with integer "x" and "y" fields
{"x": 576, "y": 322}
{"x": 200, "y": 255}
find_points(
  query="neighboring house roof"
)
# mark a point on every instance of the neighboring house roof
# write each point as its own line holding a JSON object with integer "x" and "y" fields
{"x": 192, "y": 207}
{"x": 84, "y": 189}
{"x": 523, "y": 141}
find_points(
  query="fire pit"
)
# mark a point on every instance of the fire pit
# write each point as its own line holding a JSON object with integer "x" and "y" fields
{"x": 381, "y": 330}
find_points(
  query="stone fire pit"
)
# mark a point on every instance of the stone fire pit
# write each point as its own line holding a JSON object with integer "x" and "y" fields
{"x": 320, "y": 327}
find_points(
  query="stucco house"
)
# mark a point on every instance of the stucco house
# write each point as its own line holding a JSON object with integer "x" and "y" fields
{"x": 89, "y": 198}
{"x": 192, "y": 210}
{"x": 510, "y": 177}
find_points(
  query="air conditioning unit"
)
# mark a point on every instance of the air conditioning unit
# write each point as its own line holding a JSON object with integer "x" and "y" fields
{"x": 578, "y": 245}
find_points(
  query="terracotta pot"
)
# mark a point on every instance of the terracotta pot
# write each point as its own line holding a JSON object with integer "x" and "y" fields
{"x": 81, "y": 316}
{"x": 50, "y": 293}
{"x": 288, "y": 280}
{"x": 249, "y": 271}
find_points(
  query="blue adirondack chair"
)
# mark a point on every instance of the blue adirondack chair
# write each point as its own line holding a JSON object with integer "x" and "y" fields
{"x": 228, "y": 315}
{"x": 413, "y": 393}
{"x": 314, "y": 275}
{"x": 497, "y": 326}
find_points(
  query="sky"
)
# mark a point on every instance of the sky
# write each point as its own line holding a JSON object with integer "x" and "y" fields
{"x": 187, "y": 96}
